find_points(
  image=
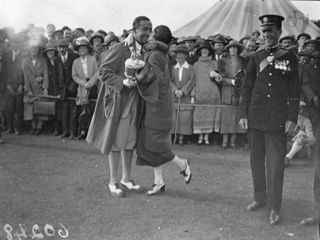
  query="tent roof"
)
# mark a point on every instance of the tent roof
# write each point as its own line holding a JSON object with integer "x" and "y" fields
{"x": 238, "y": 18}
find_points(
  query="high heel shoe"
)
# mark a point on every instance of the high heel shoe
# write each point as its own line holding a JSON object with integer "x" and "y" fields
{"x": 187, "y": 172}
{"x": 156, "y": 189}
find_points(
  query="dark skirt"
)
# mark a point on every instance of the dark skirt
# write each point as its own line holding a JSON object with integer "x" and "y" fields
{"x": 153, "y": 147}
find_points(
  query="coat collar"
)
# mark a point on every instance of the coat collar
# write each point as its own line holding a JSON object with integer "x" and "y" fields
{"x": 184, "y": 65}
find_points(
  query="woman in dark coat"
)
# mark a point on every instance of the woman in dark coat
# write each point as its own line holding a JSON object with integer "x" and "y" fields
{"x": 55, "y": 74}
{"x": 232, "y": 69}
{"x": 154, "y": 131}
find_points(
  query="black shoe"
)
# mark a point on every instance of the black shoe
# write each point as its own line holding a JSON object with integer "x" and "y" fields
{"x": 156, "y": 189}
{"x": 64, "y": 135}
{"x": 256, "y": 205}
{"x": 9, "y": 131}
{"x": 274, "y": 217}
{"x": 32, "y": 131}
{"x": 37, "y": 132}
{"x": 81, "y": 136}
{"x": 17, "y": 132}
{"x": 72, "y": 137}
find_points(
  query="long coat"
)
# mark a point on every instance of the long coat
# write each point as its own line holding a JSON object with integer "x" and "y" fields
{"x": 115, "y": 102}
{"x": 154, "y": 131}
{"x": 186, "y": 84}
{"x": 80, "y": 78}
{"x": 231, "y": 68}
{"x": 31, "y": 85}
{"x": 55, "y": 75}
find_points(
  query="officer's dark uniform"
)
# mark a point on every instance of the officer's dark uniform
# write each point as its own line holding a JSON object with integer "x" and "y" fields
{"x": 269, "y": 98}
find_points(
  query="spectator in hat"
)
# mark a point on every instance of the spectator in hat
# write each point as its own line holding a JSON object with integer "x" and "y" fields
{"x": 13, "y": 89}
{"x": 182, "y": 83}
{"x": 218, "y": 47}
{"x": 301, "y": 38}
{"x": 245, "y": 39}
{"x": 84, "y": 73}
{"x": 96, "y": 42}
{"x": 232, "y": 69}
{"x": 102, "y": 32}
{"x": 36, "y": 82}
{"x": 206, "y": 119}
{"x": 68, "y": 90}
{"x": 55, "y": 76}
{"x": 80, "y": 31}
{"x": 302, "y": 139}
{"x": 109, "y": 41}
{"x": 190, "y": 43}
{"x": 249, "y": 49}
{"x": 287, "y": 41}
{"x": 312, "y": 45}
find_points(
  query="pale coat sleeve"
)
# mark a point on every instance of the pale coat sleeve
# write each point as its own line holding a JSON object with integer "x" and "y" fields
{"x": 45, "y": 83}
{"x": 75, "y": 73}
{"x": 94, "y": 68}
{"x": 190, "y": 81}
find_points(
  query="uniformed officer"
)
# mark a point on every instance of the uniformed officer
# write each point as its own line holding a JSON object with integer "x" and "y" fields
{"x": 269, "y": 108}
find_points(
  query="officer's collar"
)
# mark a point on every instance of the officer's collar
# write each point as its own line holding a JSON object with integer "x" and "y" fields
{"x": 272, "y": 48}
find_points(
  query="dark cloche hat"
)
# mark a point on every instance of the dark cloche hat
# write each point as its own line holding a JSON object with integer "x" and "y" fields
{"x": 82, "y": 41}
{"x": 220, "y": 39}
{"x": 110, "y": 38}
{"x": 181, "y": 49}
{"x": 204, "y": 44}
{"x": 96, "y": 35}
{"x": 287, "y": 37}
{"x": 50, "y": 47}
{"x": 306, "y": 35}
{"x": 234, "y": 43}
{"x": 269, "y": 20}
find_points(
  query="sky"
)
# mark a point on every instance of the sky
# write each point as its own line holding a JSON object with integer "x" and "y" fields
{"x": 113, "y": 15}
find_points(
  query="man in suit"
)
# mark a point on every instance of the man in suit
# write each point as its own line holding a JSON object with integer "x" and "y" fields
{"x": 269, "y": 109}
{"x": 14, "y": 87}
{"x": 113, "y": 126}
{"x": 69, "y": 89}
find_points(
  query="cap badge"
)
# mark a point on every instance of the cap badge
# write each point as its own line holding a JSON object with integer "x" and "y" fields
{"x": 265, "y": 19}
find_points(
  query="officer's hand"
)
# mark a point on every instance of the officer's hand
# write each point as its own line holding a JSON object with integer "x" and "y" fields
{"x": 243, "y": 123}
{"x": 289, "y": 128}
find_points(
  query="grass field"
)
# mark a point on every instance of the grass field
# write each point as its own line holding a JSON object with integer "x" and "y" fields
{"x": 46, "y": 181}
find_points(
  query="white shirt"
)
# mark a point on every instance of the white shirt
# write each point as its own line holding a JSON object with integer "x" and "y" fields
{"x": 34, "y": 62}
{"x": 181, "y": 67}
{"x": 14, "y": 54}
{"x": 84, "y": 66}
{"x": 65, "y": 57}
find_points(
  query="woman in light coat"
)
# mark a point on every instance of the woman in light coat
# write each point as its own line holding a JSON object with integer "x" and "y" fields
{"x": 182, "y": 83}
{"x": 36, "y": 82}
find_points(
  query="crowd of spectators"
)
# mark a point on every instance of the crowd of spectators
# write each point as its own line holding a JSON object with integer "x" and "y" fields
{"x": 49, "y": 83}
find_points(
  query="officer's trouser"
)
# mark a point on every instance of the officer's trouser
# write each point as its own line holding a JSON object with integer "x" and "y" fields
{"x": 268, "y": 150}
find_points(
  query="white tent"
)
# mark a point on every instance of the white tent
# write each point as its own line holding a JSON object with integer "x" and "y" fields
{"x": 238, "y": 18}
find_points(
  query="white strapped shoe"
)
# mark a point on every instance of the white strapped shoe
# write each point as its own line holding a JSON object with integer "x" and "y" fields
{"x": 130, "y": 185}
{"x": 115, "y": 190}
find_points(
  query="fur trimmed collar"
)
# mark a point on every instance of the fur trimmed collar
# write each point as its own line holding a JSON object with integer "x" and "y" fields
{"x": 157, "y": 45}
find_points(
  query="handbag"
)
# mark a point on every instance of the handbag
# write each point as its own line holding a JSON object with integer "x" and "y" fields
{"x": 44, "y": 107}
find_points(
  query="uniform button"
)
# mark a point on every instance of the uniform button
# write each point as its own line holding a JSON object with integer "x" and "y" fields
{"x": 269, "y": 84}
{"x": 270, "y": 74}
{"x": 268, "y": 95}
